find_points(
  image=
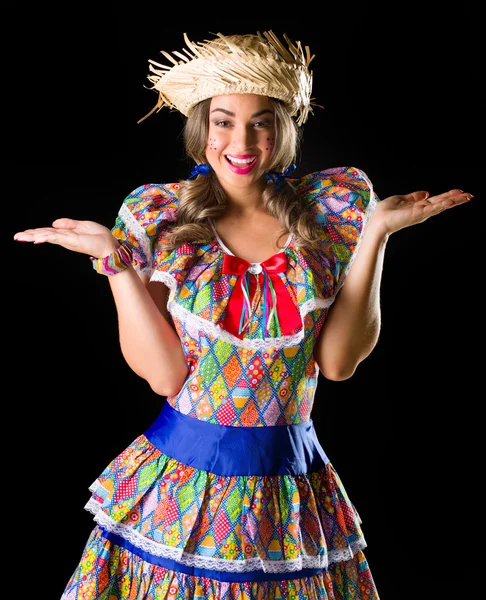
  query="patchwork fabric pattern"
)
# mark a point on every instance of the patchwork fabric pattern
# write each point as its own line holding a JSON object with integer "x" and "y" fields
{"x": 242, "y": 519}
{"x": 168, "y": 530}
{"x": 110, "y": 571}
{"x": 252, "y": 382}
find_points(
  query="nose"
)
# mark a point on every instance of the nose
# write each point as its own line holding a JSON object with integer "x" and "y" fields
{"x": 243, "y": 137}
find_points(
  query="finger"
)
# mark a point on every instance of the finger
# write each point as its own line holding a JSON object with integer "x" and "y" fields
{"x": 444, "y": 202}
{"x": 439, "y": 202}
{"x": 451, "y": 198}
{"x": 41, "y": 238}
{"x": 65, "y": 223}
{"x": 20, "y": 235}
{"x": 417, "y": 196}
{"x": 34, "y": 235}
{"x": 455, "y": 192}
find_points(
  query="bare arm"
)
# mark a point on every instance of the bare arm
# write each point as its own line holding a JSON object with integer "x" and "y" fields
{"x": 148, "y": 341}
{"x": 352, "y": 326}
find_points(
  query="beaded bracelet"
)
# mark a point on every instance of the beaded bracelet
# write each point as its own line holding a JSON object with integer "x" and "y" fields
{"x": 115, "y": 262}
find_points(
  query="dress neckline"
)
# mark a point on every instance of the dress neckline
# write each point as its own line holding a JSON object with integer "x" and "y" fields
{"x": 228, "y": 251}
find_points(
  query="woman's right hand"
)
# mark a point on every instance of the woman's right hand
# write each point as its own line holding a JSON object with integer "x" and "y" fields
{"x": 86, "y": 237}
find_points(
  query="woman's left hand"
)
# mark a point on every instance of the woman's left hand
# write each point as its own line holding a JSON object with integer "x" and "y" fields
{"x": 396, "y": 212}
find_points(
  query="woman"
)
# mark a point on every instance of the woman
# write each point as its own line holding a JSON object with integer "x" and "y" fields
{"x": 229, "y": 289}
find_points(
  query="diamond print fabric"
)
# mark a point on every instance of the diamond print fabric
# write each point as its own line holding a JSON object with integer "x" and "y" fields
{"x": 180, "y": 514}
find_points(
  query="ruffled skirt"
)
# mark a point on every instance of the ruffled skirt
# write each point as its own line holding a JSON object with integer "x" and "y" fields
{"x": 194, "y": 510}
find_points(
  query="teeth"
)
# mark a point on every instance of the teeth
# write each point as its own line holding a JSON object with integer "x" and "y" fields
{"x": 240, "y": 161}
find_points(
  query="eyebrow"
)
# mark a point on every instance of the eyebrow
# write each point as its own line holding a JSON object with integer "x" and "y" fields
{"x": 232, "y": 114}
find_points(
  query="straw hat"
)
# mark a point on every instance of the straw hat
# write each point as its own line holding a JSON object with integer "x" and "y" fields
{"x": 235, "y": 64}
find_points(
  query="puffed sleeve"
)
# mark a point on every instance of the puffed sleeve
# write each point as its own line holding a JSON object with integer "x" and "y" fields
{"x": 144, "y": 216}
{"x": 342, "y": 201}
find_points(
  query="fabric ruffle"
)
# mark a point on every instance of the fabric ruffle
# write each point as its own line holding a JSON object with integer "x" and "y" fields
{"x": 341, "y": 199}
{"x": 108, "y": 571}
{"x": 235, "y": 524}
{"x": 169, "y": 531}
{"x": 144, "y": 216}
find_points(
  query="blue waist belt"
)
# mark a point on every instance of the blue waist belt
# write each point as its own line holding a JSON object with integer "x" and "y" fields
{"x": 227, "y": 450}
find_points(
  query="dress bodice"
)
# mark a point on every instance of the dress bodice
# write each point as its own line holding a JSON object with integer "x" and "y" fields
{"x": 266, "y": 374}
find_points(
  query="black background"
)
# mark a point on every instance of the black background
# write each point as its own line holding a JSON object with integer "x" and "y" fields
{"x": 402, "y": 98}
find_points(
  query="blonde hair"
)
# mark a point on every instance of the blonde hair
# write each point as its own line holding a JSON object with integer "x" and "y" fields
{"x": 204, "y": 197}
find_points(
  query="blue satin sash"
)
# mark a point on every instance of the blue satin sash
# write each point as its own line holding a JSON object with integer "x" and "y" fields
{"x": 229, "y": 450}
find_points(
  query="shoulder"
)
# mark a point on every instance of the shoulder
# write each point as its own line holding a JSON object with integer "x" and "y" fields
{"x": 347, "y": 182}
{"x": 147, "y": 211}
{"x": 145, "y": 216}
{"x": 150, "y": 207}
{"x": 341, "y": 200}
{"x": 153, "y": 197}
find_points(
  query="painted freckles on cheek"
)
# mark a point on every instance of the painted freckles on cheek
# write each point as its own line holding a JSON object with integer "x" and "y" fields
{"x": 270, "y": 143}
{"x": 212, "y": 144}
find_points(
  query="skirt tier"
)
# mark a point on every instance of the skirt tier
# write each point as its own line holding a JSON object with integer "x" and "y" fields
{"x": 193, "y": 510}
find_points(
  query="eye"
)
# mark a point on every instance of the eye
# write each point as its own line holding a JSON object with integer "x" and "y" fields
{"x": 262, "y": 124}
{"x": 222, "y": 123}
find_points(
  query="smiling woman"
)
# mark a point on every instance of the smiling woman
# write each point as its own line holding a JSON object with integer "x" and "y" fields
{"x": 228, "y": 138}
{"x": 270, "y": 211}
{"x": 230, "y": 297}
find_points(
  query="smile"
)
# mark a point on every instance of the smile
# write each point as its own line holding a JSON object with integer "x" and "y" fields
{"x": 241, "y": 165}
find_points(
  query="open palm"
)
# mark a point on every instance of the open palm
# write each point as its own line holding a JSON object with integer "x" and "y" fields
{"x": 86, "y": 237}
{"x": 396, "y": 212}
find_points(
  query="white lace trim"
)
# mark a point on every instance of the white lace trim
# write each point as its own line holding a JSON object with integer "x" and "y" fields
{"x": 217, "y": 332}
{"x": 141, "y": 236}
{"x": 95, "y": 485}
{"x": 315, "y": 303}
{"x": 206, "y": 562}
{"x": 164, "y": 277}
{"x": 196, "y": 323}
{"x": 93, "y": 506}
{"x": 139, "y": 233}
{"x": 347, "y": 553}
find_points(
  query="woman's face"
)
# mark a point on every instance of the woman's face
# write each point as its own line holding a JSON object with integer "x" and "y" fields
{"x": 241, "y": 139}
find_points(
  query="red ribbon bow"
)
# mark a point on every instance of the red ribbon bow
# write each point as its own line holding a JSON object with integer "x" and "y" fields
{"x": 287, "y": 314}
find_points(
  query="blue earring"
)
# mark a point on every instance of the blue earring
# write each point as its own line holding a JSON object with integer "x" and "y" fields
{"x": 201, "y": 169}
{"x": 278, "y": 177}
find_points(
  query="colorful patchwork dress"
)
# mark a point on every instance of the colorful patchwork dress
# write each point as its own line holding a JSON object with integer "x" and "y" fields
{"x": 229, "y": 495}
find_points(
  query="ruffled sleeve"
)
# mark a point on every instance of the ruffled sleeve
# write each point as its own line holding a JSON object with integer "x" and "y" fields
{"x": 342, "y": 201}
{"x": 145, "y": 215}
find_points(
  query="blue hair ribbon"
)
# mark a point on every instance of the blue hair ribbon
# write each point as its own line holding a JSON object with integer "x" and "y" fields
{"x": 201, "y": 169}
{"x": 277, "y": 177}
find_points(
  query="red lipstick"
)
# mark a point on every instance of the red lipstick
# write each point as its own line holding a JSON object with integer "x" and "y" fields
{"x": 241, "y": 169}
